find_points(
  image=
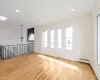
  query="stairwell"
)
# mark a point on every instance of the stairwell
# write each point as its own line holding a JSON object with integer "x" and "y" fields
{"x": 11, "y": 51}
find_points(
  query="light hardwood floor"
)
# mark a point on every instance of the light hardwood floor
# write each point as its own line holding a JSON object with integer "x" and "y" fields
{"x": 40, "y": 67}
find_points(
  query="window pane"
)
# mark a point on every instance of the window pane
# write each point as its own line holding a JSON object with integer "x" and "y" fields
{"x": 52, "y": 38}
{"x": 69, "y": 38}
{"x": 59, "y": 38}
{"x": 45, "y": 38}
{"x": 31, "y": 37}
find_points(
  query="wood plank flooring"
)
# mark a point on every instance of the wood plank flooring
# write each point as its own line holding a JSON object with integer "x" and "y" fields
{"x": 40, "y": 67}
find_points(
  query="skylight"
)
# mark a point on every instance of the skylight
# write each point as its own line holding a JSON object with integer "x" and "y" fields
{"x": 2, "y": 18}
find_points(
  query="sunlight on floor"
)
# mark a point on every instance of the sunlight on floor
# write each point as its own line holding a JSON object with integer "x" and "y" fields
{"x": 62, "y": 63}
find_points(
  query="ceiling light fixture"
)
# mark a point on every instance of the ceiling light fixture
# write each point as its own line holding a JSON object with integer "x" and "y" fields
{"x": 73, "y": 9}
{"x": 2, "y": 18}
{"x": 17, "y": 11}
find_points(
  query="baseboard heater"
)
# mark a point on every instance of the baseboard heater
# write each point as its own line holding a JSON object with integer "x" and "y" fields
{"x": 84, "y": 60}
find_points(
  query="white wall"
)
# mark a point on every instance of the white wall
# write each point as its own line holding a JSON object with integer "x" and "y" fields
{"x": 82, "y": 38}
{"x": 10, "y": 34}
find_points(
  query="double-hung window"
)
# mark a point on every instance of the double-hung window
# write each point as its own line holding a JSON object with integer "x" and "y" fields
{"x": 59, "y": 33}
{"x": 69, "y": 32}
{"x": 52, "y": 38}
{"x": 45, "y": 39}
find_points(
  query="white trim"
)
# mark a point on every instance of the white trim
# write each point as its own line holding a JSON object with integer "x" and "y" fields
{"x": 94, "y": 68}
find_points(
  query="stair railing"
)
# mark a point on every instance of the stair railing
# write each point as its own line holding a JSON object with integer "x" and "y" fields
{"x": 10, "y": 51}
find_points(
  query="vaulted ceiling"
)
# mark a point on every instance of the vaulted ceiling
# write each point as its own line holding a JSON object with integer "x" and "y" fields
{"x": 35, "y": 12}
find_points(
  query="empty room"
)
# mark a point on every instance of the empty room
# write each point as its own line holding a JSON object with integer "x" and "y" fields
{"x": 49, "y": 39}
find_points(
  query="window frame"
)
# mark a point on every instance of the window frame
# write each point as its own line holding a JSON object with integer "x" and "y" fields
{"x": 97, "y": 40}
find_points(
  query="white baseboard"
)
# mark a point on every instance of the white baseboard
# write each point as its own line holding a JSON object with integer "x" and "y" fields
{"x": 94, "y": 68}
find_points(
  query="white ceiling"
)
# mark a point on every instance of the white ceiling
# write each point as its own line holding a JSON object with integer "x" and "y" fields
{"x": 43, "y": 10}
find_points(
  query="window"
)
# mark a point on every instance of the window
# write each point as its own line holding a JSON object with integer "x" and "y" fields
{"x": 45, "y": 37}
{"x": 69, "y": 38}
{"x": 31, "y": 37}
{"x": 59, "y": 38}
{"x": 52, "y": 38}
{"x": 98, "y": 37}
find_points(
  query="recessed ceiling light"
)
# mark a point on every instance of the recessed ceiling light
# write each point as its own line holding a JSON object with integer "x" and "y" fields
{"x": 17, "y": 11}
{"x": 73, "y": 9}
{"x": 2, "y": 18}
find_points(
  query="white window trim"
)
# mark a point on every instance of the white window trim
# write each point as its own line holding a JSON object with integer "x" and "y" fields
{"x": 97, "y": 41}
